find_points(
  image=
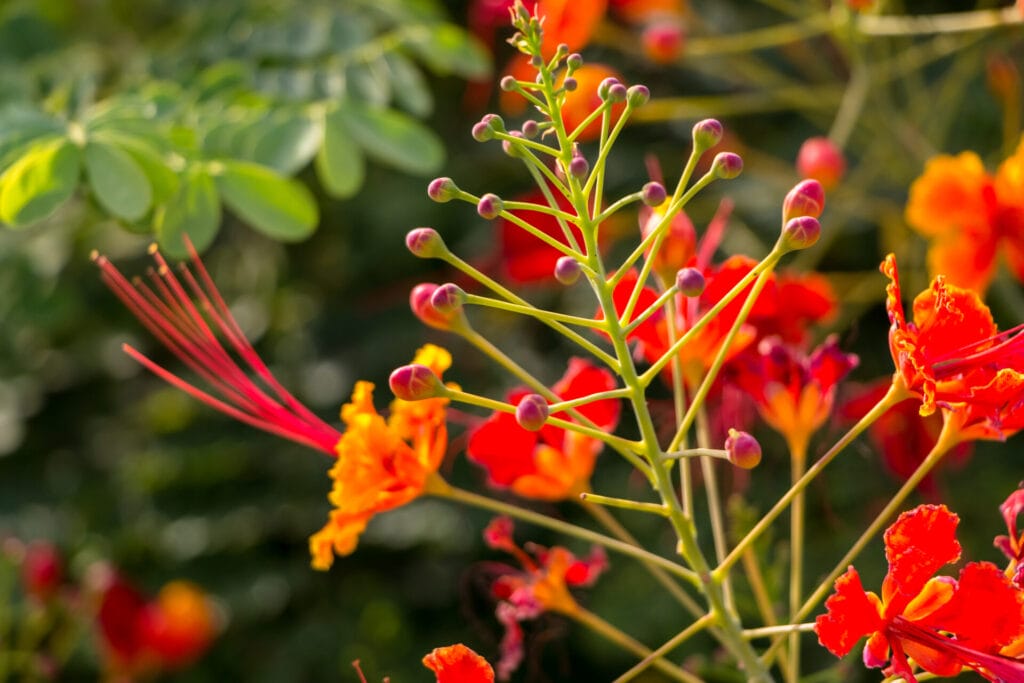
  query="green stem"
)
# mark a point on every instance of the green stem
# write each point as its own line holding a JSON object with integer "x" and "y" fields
{"x": 798, "y": 460}
{"x": 533, "y": 312}
{"x": 707, "y": 466}
{"x": 441, "y": 489}
{"x": 953, "y": 22}
{"x": 784, "y": 629}
{"x": 624, "y": 504}
{"x": 655, "y": 306}
{"x": 669, "y": 645}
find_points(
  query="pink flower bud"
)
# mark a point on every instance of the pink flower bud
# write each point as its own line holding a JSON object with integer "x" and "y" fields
{"x": 415, "y": 382}
{"x": 532, "y": 412}
{"x": 567, "y": 270}
{"x": 425, "y": 243}
{"x": 707, "y": 134}
{"x": 570, "y": 84}
{"x": 448, "y": 299}
{"x": 800, "y": 232}
{"x": 422, "y": 308}
{"x": 653, "y": 194}
{"x": 807, "y": 198}
{"x": 578, "y": 167}
{"x": 820, "y": 159}
{"x": 690, "y": 282}
{"x": 727, "y": 165}
{"x": 490, "y": 206}
{"x": 442, "y": 190}
{"x": 637, "y": 95}
{"x": 743, "y": 449}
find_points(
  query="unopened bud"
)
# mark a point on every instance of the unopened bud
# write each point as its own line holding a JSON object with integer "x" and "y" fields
{"x": 530, "y": 129}
{"x": 574, "y": 61}
{"x": 653, "y": 194}
{"x": 425, "y": 243}
{"x": 448, "y": 299}
{"x": 707, "y": 134}
{"x": 562, "y": 50}
{"x": 442, "y": 190}
{"x": 605, "y": 86}
{"x": 727, "y": 165}
{"x": 570, "y": 84}
{"x": 422, "y": 308}
{"x": 508, "y": 84}
{"x": 663, "y": 41}
{"x": 578, "y": 167}
{"x": 617, "y": 92}
{"x": 690, "y": 282}
{"x": 567, "y": 270}
{"x": 532, "y": 412}
{"x": 415, "y": 382}
{"x": 800, "y": 232}
{"x": 490, "y": 206}
{"x": 537, "y": 61}
{"x": 819, "y": 158}
{"x": 743, "y": 449}
{"x": 482, "y": 132}
{"x": 807, "y": 198}
{"x": 511, "y": 148}
{"x": 637, "y": 95}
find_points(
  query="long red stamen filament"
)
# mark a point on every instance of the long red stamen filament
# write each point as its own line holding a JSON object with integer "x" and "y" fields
{"x": 170, "y": 312}
{"x": 956, "y": 361}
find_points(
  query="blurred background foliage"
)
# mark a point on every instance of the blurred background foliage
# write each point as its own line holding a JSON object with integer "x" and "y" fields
{"x": 292, "y": 140}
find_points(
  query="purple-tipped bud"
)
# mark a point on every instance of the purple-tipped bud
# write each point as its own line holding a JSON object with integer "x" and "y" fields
{"x": 482, "y": 132}
{"x": 415, "y": 382}
{"x": 425, "y": 243}
{"x": 743, "y": 449}
{"x": 562, "y": 50}
{"x": 530, "y": 129}
{"x": 727, "y": 165}
{"x": 537, "y": 61}
{"x": 707, "y": 134}
{"x": 490, "y": 206}
{"x": 448, "y": 299}
{"x": 422, "y": 308}
{"x": 532, "y": 412}
{"x": 442, "y": 190}
{"x": 508, "y": 84}
{"x": 605, "y": 86}
{"x": 800, "y": 232}
{"x": 690, "y": 282}
{"x": 617, "y": 92}
{"x": 510, "y": 148}
{"x": 570, "y": 84}
{"x": 653, "y": 194}
{"x": 637, "y": 95}
{"x": 578, "y": 167}
{"x": 574, "y": 61}
{"x": 807, "y": 198}
{"x": 567, "y": 270}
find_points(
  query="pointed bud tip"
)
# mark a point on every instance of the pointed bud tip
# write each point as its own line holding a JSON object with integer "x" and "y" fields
{"x": 743, "y": 449}
{"x": 532, "y": 412}
{"x": 807, "y": 198}
{"x": 415, "y": 382}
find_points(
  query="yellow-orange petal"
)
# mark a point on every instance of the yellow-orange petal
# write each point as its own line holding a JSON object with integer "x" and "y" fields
{"x": 965, "y": 257}
{"x": 948, "y": 195}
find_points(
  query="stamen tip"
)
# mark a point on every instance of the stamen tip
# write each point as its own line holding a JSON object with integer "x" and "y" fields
{"x": 152, "y": 248}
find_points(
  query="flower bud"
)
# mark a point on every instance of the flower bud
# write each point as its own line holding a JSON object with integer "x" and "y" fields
{"x": 819, "y": 158}
{"x": 511, "y": 148}
{"x": 422, "y": 308}
{"x": 570, "y": 84}
{"x": 690, "y": 282}
{"x": 574, "y": 61}
{"x": 743, "y": 449}
{"x": 425, "y": 243}
{"x": 508, "y": 84}
{"x": 562, "y": 50}
{"x": 800, "y": 232}
{"x": 415, "y": 382}
{"x": 490, "y": 206}
{"x": 605, "y": 85}
{"x": 41, "y": 572}
{"x": 617, "y": 92}
{"x": 707, "y": 134}
{"x": 727, "y": 165}
{"x": 442, "y": 190}
{"x": 532, "y": 412}
{"x": 536, "y": 61}
{"x": 567, "y": 270}
{"x": 448, "y": 299}
{"x": 637, "y": 95}
{"x": 578, "y": 167}
{"x": 807, "y": 198}
{"x": 482, "y": 132}
{"x": 653, "y": 194}
{"x": 530, "y": 129}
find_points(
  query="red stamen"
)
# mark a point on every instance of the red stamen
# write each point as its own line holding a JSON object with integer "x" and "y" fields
{"x": 956, "y": 361}
{"x": 170, "y": 312}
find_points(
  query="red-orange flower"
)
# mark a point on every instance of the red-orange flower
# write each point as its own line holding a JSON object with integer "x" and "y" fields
{"x": 933, "y": 620}
{"x": 953, "y": 354}
{"x": 382, "y": 464}
{"x": 552, "y": 463}
{"x": 458, "y": 664}
{"x": 970, "y": 216}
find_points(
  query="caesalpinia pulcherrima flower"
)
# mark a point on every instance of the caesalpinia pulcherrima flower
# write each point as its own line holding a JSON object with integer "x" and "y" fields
{"x": 971, "y": 217}
{"x": 458, "y": 664}
{"x": 952, "y": 354}
{"x": 551, "y": 463}
{"x": 940, "y": 623}
{"x": 542, "y": 585}
{"x": 382, "y": 463}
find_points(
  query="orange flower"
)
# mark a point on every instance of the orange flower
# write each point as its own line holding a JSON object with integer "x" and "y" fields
{"x": 934, "y": 620}
{"x": 970, "y": 216}
{"x": 458, "y": 664}
{"x": 382, "y": 464}
{"x": 953, "y": 354}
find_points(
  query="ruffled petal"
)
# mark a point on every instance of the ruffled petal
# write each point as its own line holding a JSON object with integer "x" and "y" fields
{"x": 917, "y": 544}
{"x": 851, "y": 614}
{"x": 458, "y": 664}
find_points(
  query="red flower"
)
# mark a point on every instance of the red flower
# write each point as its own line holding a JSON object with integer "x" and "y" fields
{"x": 794, "y": 392}
{"x": 541, "y": 586}
{"x": 933, "y": 620}
{"x": 41, "y": 570}
{"x": 190, "y": 317}
{"x": 953, "y": 355}
{"x": 1012, "y": 544}
{"x": 552, "y": 463}
{"x": 458, "y": 664}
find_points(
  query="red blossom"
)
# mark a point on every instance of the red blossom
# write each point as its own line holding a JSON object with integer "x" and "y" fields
{"x": 1012, "y": 544}
{"x": 458, "y": 664}
{"x": 552, "y": 463}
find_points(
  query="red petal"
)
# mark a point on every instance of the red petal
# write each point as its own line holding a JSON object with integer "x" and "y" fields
{"x": 989, "y": 629}
{"x": 852, "y": 614}
{"x": 503, "y": 448}
{"x": 917, "y": 544}
{"x": 458, "y": 664}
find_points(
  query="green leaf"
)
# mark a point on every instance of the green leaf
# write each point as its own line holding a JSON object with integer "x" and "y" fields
{"x": 162, "y": 178}
{"x": 340, "y": 164}
{"x": 39, "y": 182}
{"x": 276, "y": 206}
{"x": 368, "y": 82}
{"x": 393, "y": 138}
{"x": 411, "y": 90}
{"x": 449, "y": 49}
{"x": 288, "y": 145}
{"x": 120, "y": 185}
{"x": 194, "y": 210}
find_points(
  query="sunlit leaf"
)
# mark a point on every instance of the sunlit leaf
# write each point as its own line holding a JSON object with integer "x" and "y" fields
{"x": 118, "y": 182}
{"x": 39, "y": 182}
{"x": 339, "y": 163}
{"x": 194, "y": 210}
{"x": 276, "y": 206}
{"x": 393, "y": 138}
{"x": 449, "y": 49}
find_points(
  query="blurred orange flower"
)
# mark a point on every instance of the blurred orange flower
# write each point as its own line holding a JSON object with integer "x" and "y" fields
{"x": 458, "y": 664}
{"x": 382, "y": 464}
{"x": 970, "y": 217}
